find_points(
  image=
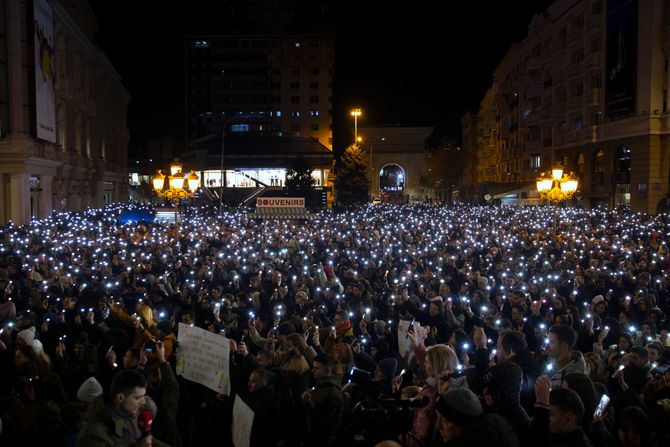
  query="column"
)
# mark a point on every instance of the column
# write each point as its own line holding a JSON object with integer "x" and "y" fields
{"x": 45, "y": 202}
{"x": 19, "y": 196}
{"x": 99, "y": 197}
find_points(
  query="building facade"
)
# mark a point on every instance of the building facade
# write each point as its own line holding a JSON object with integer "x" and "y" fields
{"x": 398, "y": 161}
{"x": 265, "y": 84}
{"x": 587, "y": 88}
{"x": 63, "y": 140}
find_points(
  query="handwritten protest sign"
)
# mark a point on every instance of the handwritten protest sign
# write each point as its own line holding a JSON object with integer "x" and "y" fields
{"x": 204, "y": 357}
{"x": 243, "y": 420}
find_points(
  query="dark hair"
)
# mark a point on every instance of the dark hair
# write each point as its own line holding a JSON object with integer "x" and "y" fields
{"x": 513, "y": 341}
{"x": 565, "y": 334}
{"x": 582, "y": 384}
{"x": 266, "y": 376}
{"x": 638, "y": 419}
{"x": 126, "y": 381}
{"x": 568, "y": 401}
{"x": 641, "y": 352}
{"x": 267, "y": 354}
{"x": 297, "y": 341}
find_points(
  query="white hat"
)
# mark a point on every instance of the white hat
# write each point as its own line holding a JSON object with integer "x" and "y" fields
{"x": 89, "y": 390}
{"x": 27, "y": 335}
{"x": 37, "y": 347}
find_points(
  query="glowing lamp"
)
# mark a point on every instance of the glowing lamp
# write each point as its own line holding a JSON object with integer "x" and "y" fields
{"x": 176, "y": 182}
{"x": 193, "y": 181}
{"x": 175, "y": 167}
{"x": 158, "y": 180}
{"x": 557, "y": 172}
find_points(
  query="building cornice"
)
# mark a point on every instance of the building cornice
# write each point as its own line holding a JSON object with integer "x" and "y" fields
{"x": 63, "y": 18}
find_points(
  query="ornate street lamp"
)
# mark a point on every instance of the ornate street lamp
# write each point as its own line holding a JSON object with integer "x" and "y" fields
{"x": 556, "y": 186}
{"x": 179, "y": 187}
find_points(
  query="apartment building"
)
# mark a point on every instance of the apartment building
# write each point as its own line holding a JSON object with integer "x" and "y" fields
{"x": 587, "y": 88}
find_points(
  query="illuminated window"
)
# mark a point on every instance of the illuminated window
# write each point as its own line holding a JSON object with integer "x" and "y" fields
{"x": 239, "y": 128}
{"x": 535, "y": 160}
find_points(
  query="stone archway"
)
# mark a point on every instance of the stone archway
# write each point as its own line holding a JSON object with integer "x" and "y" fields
{"x": 392, "y": 180}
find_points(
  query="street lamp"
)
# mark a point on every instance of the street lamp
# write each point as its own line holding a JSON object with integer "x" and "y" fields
{"x": 175, "y": 185}
{"x": 356, "y": 113}
{"x": 556, "y": 186}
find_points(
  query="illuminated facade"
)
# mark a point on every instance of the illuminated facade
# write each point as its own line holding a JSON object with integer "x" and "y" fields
{"x": 63, "y": 141}
{"x": 587, "y": 88}
{"x": 398, "y": 160}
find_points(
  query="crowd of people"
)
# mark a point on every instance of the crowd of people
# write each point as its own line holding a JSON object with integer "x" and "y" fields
{"x": 416, "y": 325}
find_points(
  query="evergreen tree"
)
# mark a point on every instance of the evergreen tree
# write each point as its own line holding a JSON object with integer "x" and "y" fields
{"x": 299, "y": 180}
{"x": 351, "y": 178}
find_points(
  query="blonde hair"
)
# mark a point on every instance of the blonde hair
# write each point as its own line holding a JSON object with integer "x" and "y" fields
{"x": 440, "y": 358}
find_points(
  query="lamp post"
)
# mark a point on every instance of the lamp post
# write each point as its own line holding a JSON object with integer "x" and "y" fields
{"x": 175, "y": 186}
{"x": 356, "y": 113}
{"x": 556, "y": 186}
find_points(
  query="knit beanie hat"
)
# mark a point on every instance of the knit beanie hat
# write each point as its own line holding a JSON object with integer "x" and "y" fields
{"x": 27, "y": 335}
{"x": 460, "y": 406}
{"x": 37, "y": 347}
{"x": 379, "y": 327}
{"x": 89, "y": 390}
{"x": 388, "y": 367}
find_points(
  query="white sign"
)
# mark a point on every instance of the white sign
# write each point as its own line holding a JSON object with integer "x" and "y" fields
{"x": 204, "y": 357}
{"x": 45, "y": 72}
{"x": 284, "y": 202}
{"x": 243, "y": 420}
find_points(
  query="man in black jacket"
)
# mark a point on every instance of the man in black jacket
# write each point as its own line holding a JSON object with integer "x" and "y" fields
{"x": 511, "y": 347}
{"x": 558, "y": 417}
{"x": 262, "y": 400}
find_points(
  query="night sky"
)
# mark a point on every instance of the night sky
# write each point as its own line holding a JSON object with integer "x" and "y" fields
{"x": 411, "y": 65}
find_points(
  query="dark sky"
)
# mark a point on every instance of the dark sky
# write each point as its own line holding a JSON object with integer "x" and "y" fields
{"x": 402, "y": 63}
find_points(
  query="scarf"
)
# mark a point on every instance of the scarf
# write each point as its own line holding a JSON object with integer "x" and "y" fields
{"x": 344, "y": 330}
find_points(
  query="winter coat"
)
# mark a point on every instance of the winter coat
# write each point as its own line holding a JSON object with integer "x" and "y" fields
{"x": 424, "y": 419}
{"x": 325, "y": 413}
{"x": 491, "y": 431}
{"x": 108, "y": 428}
{"x": 167, "y": 399}
{"x": 266, "y": 429}
{"x": 541, "y": 434}
{"x": 573, "y": 366}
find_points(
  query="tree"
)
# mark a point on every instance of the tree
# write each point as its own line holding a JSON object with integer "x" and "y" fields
{"x": 351, "y": 178}
{"x": 299, "y": 180}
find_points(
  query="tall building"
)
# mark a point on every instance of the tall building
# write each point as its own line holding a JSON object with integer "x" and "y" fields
{"x": 63, "y": 133}
{"x": 278, "y": 85}
{"x": 587, "y": 88}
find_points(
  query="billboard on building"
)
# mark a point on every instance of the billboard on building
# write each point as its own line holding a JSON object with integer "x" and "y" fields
{"x": 45, "y": 73}
{"x": 621, "y": 56}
